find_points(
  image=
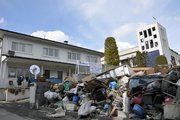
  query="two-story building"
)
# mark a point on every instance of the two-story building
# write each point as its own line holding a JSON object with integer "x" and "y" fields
{"x": 56, "y": 59}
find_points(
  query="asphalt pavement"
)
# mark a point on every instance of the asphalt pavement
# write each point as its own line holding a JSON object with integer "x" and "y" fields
{"x": 5, "y": 115}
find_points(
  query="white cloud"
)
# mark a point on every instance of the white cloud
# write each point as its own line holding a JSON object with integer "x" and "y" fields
{"x": 121, "y": 46}
{"x": 92, "y": 8}
{"x": 126, "y": 30}
{"x": 123, "y": 32}
{"x": 101, "y": 50}
{"x": 2, "y": 20}
{"x": 108, "y": 18}
{"x": 56, "y": 35}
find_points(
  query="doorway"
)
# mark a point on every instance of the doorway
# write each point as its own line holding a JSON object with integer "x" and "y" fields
{"x": 60, "y": 75}
{"x": 47, "y": 74}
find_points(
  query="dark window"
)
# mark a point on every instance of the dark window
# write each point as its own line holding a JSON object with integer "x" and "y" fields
{"x": 60, "y": 75}
{"x": 140, "y": 33}
{"x": 145, "y": 33}
{"x": 142, "y": 47}
{"x": 153, "y": 28}
{"x": 142, "y": 40}
{"x": 47, "y": 74}
{"x": 155, "y": 36}
{"x": 147, "y": 45}
{"x": 149, "y": 32}
{"x": 151, "y": 43}
{"x": 156, "y": 44}
{"x": 173, "y": 60}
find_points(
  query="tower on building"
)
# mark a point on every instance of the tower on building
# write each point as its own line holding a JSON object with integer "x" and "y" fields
{"x": 153, "y": 40}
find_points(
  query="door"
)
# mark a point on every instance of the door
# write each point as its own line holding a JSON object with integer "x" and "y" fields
{"x": 47, "y": 74}
{"x": 60, "y": 75}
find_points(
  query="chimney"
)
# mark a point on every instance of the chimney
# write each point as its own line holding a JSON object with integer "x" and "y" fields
{"x": 66, "y": 41}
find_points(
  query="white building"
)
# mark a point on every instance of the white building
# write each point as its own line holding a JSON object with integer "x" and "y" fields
{"x": 55, "y": 59}
{"x": 152, "y": 39}
{"x": 128, "y": 56}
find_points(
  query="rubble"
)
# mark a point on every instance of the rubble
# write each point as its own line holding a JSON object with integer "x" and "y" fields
{"x": 117, "y": 95}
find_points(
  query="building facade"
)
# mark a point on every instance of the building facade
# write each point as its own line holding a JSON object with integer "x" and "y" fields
{"x": 55, "y": 59}
{"x": 128, "y": 56}
{"x": 153, "y": 40}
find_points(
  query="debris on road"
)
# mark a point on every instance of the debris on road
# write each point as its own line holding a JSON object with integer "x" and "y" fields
{"x": 119, "y": 93}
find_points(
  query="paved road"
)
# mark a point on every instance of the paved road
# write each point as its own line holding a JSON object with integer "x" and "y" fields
{"x": 5, "y": 115}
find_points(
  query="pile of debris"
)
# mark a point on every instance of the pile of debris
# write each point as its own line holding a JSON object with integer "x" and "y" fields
{"x": 118, "y": 93}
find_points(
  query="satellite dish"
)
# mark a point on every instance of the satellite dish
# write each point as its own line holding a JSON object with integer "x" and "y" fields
{"x": 34, "y": 69}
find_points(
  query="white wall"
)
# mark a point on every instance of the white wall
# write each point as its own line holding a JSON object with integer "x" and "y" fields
{"x": 129, "y": 53}
{"x": 13, "y": 97}
{"x": 37, "y": 52}
{"x": 163, "y": 45}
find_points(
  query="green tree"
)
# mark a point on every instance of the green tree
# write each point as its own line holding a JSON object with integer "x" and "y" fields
{"x": 161, "y": 60}
{"x": 141, "y": 59}
{"x": 111, "y": 55}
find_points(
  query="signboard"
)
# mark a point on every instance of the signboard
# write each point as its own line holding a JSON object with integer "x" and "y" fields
{"x": 92, "y": 67}
{"x": 95, "y": 68}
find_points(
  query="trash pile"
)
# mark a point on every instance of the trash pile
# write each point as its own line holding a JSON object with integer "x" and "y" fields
{"x": 123, "y": 96}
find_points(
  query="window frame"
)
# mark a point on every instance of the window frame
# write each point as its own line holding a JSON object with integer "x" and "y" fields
{"x": 50, "y": 52}
{"x": 22, "y": 47}
{"x": 147, "y": 44}
{"x": 92, "y": 59}
{"x": 73, "y": 55}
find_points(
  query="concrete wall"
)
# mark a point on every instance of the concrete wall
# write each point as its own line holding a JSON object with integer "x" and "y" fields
{"x": 19, "y": 96}
{"x": 2, "y": 95}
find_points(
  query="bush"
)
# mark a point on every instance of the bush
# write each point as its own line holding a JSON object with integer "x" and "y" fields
{"x": 161, "y": 60}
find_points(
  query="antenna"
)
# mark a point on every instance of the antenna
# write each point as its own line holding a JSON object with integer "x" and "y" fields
{"x": 154, "y": 18}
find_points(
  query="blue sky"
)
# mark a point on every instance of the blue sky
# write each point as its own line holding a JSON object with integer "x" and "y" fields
{"x": 87, "y": 23}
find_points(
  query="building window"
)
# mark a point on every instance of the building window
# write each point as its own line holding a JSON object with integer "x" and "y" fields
{"x": 92, "y": 59}
{"x": 149, "y": 32}
{"x": 156, "y": 44}
{"x": 142, "y": 47}
{"x": 12, "y": 72}
{"x": 74, "y": 56}
{"x": 21, "y": 47}
{"x": 50, "y": 52}
{"x": 56, "y": 52}
{"x": 151, "y": 44}
{"x": 84, "y": 69}
{"x": 153, "y": 28}
{"x": 147, "y": 45}
{"x": 16, "y": 72}
{"x": 173, "y": 60}
{"x": 142, "y": 40}
{"x": 140, "y": 33}
{"x": 145, "y": 33}
{"x": 155, "y": 36}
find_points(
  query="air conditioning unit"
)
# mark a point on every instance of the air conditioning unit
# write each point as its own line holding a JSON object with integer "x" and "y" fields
{"x": 11, "y": 53}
